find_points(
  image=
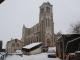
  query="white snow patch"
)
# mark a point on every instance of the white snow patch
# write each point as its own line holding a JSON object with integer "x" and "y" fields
{"x": 32, "y": 45}
{"x": 42, "y": 56}
{"x": 52, "y": 48}
{"x": 71, "y": 53}
{"x": 18, "y": 52}
{"x": 59, "y": 37}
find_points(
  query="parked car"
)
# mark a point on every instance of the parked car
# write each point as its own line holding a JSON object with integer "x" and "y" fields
{"x": 44, "y": 48}
{"x": 51, "y": 53}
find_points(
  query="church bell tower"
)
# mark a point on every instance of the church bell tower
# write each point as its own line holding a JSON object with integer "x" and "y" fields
{"x": 46, "y": 24}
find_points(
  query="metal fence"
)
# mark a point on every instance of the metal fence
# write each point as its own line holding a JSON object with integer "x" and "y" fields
{"x": 3, "y": 55}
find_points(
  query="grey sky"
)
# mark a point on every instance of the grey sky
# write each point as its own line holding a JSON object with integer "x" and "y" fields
{"x": 15, "y": 13}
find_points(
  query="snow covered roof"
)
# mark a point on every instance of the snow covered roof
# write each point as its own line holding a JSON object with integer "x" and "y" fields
{"x": 32, "y": 45}
{"x": 59, "y": 37}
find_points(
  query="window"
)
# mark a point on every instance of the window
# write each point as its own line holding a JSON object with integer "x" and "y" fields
{"x": 17, "y": 45}
{"x": 15, "y": 40}
{"x": 30, "y": 31}
{"x": 15, "y": 50}
{"x": 13, "y": 45}
{"x": 47, "y": 22}
{"x": 34, "y": 29}
{"x": 42, "y": 10}
{"x": 48, "y": 9}
{"x": 37, "y": 39}
{"x": 37, "y": 27}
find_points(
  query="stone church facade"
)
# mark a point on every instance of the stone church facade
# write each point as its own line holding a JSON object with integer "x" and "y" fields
{"x": 42, "y": 31}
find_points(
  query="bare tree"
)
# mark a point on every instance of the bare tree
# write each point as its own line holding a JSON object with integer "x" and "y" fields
{"x": 75, "y": 28}
{"x": 1, "y": 1}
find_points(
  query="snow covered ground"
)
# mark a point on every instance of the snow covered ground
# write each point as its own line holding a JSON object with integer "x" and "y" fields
{"x": 42, "y": 56}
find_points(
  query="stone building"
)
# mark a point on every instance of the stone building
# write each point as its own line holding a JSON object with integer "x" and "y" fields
{"x": 13, "y": 45}
{"x": 42, "y": 31}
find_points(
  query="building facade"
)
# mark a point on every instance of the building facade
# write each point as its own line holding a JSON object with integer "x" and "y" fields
{"x": 14, "y": 45}
{"x": 42, "y": 31}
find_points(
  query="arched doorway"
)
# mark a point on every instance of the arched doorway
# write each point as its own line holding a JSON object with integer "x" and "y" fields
{"x": 48, "y": 42}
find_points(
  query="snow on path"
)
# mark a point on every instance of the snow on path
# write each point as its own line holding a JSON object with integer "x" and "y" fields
{"x": 42, "y": 56}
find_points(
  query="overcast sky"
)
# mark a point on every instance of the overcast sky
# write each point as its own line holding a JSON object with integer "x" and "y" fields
{"x": 15, "y": 13}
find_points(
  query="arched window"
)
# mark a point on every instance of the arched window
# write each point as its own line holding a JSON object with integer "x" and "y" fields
{"x": 41, "y": 10}
{"x": 37, "y": 39}
{"x": 47, "y": 22}
{"x": 48, "y": 9}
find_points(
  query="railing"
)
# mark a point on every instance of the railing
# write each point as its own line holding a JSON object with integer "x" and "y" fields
{"x": 3, "y": 55}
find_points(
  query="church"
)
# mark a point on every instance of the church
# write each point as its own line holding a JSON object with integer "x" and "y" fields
{"x": 43, "y": 31}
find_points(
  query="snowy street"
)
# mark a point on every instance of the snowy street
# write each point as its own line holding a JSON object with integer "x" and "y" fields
{"x": 42, "y": 56}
